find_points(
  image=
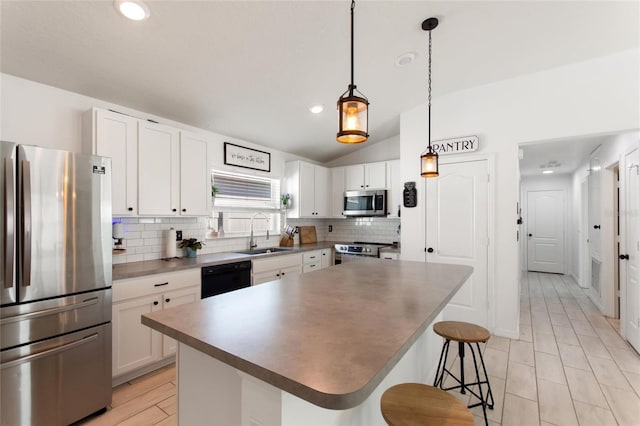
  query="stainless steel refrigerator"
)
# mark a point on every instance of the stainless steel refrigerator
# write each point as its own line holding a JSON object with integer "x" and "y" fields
{"x": 55, "y": 284}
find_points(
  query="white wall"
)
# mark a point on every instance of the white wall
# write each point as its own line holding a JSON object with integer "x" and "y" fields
{"x": 587, "y": 98}
{"x": 388, "y": 149}
{"x": 37, "y": 114}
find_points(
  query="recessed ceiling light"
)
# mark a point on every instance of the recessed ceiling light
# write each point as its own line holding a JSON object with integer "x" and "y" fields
{"x": 405, "y": 59}
{"x": 316, "y": 109}
{"x": 547, "y": 172}
{"x": 135, "y": 10}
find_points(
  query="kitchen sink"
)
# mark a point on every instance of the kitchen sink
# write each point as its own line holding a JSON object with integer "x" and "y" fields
{"x": 263, "y": 251}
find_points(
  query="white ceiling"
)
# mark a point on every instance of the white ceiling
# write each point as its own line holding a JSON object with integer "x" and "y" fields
{"x": 251, "y": 69}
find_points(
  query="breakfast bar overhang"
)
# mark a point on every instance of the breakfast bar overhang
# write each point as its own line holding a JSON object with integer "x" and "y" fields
{"x": 318, "y": 348}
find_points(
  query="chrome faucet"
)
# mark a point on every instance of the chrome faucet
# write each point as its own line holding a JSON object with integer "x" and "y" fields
{"x": 252, "y": 243}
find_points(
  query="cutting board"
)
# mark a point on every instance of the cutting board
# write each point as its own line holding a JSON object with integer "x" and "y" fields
{"x": 308, "y": 234}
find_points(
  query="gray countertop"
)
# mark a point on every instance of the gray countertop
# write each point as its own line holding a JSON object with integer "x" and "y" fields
{"x": 329, "y": 336}
{"x": 150, "y": 267}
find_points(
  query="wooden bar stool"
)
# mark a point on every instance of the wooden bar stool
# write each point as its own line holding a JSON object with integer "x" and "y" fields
{"x": 464, "y": 332}
{"x": 417, "y": 404}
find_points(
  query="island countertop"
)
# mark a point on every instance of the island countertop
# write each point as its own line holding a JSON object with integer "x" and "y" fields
{"x": 329, "y": 336}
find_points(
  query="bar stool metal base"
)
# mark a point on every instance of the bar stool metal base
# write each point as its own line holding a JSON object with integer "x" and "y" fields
{"x": 486, "y": 398}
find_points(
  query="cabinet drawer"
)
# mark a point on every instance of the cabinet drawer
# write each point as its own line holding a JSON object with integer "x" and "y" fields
{"x": 154, "y": 284}
{"x": 311, "y": 267}
{"x": 311, "y": 256}
{"x": 276, "y": 262}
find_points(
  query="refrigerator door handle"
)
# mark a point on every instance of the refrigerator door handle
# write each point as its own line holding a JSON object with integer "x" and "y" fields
{"x": 26, "y": 231}
{"x": 9, "y": 216}
{"x": 50, "y": 311}
{"x": 48, "y": 352}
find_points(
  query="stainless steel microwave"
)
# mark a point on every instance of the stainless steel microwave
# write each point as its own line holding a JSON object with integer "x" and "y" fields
{"x": 365, "y": 203}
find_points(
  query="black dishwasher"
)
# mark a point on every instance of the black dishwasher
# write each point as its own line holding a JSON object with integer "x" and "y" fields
{"x": 224, "y": 278}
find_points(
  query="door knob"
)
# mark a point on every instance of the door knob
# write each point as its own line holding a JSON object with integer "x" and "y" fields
{"x": 624, "y": 257}
{"x": 429, "y": 250}
{"x": 531, "y": 235}
{"x": 596, "y": 226}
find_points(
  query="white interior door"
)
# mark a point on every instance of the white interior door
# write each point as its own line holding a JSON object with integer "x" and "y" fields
{"x": 630, "y": 246}
{"x": 545, "y": 231}
{"x": 583, "y": 236}
{"x": 457, "y": 232}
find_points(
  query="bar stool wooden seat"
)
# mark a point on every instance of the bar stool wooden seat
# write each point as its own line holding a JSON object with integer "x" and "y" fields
{"x": 464, "y": 332}
{"x": 418, "y": 404}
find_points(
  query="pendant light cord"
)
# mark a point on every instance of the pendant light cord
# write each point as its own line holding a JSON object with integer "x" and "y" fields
{"x": 353, "y": 6}
{"x": 429, "y": 80}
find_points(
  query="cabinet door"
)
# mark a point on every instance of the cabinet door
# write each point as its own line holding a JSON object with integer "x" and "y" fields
{"x": 291, "y": 270}
{"x": 321, "y": 186}
{"x": 375, "y": 175}
{"x": 169, "y": 300}
{"x": 394, "y": 189}
{"x": 337, "y": 191}
{"x": 158, "y": 180}
{"x": 327, "y": 258}
{"x": 134, "y": 345}
{"x": 117, "y": 137}
{"x": 307, "y": 193}
{"x": 195, "y": 182}
{"x": 263, "y": 277}
{"x": 354, "y": 177}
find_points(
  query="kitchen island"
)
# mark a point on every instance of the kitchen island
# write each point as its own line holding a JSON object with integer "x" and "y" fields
{"x": 318, "y": 348}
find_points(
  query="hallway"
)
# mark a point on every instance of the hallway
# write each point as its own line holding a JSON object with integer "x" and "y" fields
{"x": 569, "y": 367}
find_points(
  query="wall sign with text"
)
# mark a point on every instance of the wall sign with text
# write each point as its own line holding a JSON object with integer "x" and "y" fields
{"x": 456, "y": 145}
{"x": 236, "y": 155}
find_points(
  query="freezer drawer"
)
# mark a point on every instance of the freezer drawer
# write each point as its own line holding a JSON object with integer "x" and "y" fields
{"x": 29, "y": 322}
{"x": 57, "y": 381}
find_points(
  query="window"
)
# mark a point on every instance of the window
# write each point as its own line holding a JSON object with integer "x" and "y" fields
{"x": 242, "y": 199}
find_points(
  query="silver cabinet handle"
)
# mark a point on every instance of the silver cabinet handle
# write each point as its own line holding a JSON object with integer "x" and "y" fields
{"x": 9, "y": 231}
{"x": 26, "y": 217}
{"x": 49, "y": 352}
{"x": 50, "y": 311}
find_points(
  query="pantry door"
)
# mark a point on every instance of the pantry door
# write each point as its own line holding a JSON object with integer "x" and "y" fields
{"x": 457, "y": 226}
{"x": 545, "y": 231}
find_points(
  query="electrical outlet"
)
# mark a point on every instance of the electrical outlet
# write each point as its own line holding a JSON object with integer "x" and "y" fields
{"x": 297, "y": 230}
{"x": 330, "y": 228}
{"x": 178, "y": 235}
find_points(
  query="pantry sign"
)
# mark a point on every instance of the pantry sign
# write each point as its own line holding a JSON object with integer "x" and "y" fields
{"x": 456, "y": 145}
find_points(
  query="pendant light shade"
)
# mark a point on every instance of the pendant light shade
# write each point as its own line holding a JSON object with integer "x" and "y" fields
{"x": 353, "y": 109}
{"x": 429, "y": 164}
{"x": 429, "y": 160}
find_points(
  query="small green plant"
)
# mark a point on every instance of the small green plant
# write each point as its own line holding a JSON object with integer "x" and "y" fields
{"x": 214, "y": 190}
{"x": 284, "y": 199}
{"x": 191, "y": 243}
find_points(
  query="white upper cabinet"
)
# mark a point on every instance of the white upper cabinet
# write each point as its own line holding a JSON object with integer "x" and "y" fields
{"x": 110, "y": 134}
{"x": 158, "y": 168}
{"x": 337, "y": 191}
{"x": 361, "y": 177}
{"x": 308, "y": 185}
{"x": 394, "y": 189}
{"x": 195, "y": 182}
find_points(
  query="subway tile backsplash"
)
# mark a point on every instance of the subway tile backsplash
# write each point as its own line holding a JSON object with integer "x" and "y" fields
{"x": 145, "y": 237}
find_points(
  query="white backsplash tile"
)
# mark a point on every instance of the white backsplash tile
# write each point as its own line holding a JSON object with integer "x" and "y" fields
{"x": 145, "y": 237}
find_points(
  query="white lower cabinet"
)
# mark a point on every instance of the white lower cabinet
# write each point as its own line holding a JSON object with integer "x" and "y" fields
{"x": 311, "y": 261}
{"x": 136, "y": 347}
{"x": 276, "y": 267}
{"x": 327, "y": 258}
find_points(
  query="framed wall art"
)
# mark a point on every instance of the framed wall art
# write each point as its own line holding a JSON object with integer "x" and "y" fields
{"x": 239, "y": 156}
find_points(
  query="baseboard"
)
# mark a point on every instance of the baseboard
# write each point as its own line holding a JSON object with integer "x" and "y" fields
{"x": 115, "y": 381}
{"x": 509, "y": 334}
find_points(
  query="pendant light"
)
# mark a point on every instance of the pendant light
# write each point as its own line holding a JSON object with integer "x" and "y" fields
{"x": 429, "y": 160}
{"x": 353, "y": 109}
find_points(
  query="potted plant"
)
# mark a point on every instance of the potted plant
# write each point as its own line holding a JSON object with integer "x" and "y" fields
{"x": 192, "y": 245}
{"x": 214, "y": 192}
{"x": 285, "y": 201}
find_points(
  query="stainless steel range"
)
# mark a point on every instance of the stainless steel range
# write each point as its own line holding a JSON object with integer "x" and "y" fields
{"x": 351, "y": 251}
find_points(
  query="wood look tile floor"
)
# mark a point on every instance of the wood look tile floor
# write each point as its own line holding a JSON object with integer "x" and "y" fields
{"x": 569, "y": 367}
